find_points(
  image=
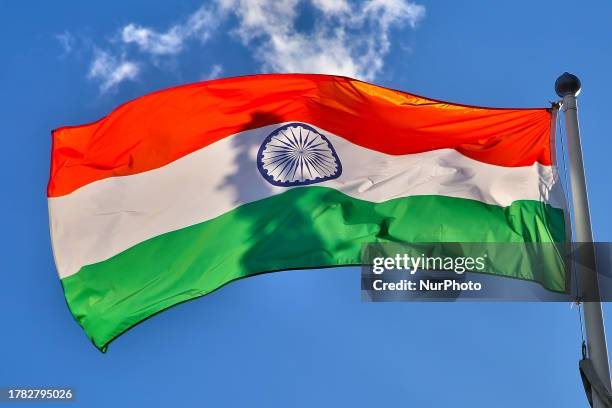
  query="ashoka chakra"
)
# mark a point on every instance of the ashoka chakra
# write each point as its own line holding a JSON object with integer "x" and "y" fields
{"x": 296, "y": 154}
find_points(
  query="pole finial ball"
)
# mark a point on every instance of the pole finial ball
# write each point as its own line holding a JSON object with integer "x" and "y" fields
{"x": 567, "y": 84}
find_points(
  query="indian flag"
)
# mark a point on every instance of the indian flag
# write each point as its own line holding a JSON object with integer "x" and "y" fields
{"x": 181, "y": 191}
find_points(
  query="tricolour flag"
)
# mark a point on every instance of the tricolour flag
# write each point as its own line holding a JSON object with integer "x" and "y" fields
{"x": 179, "y": 192}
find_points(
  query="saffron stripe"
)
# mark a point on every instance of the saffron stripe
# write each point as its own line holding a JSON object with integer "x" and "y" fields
{"x": 161, "y": 127}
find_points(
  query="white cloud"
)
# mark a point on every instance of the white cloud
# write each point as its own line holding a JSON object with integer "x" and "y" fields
{"x": 332, "y": 6}
{"x": 214, "y": 72}
{"x": 66, "y": 40}
{"x": 350, "y": 38}
{"x": 199, "y": 25}
{"x": 390, "y": 12}
{"x": 151, "y": 41}
{"x": 110, "y": 70}
{"x": 346, "y": 40}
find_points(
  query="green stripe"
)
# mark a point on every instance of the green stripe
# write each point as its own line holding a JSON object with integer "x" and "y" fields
{"x": 308, "y": 227}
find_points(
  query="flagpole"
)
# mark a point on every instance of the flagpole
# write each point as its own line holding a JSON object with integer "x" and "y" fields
{"x": 567, "y": 86}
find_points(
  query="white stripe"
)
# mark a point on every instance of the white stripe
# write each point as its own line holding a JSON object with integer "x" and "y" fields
{"x": 111, "y": 215}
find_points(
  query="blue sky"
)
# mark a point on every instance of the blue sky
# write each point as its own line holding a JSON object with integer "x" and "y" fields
{"x": 300, "y": 338}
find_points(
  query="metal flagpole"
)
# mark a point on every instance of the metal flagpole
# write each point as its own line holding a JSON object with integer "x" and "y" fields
{"x": 567, "y": 87}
